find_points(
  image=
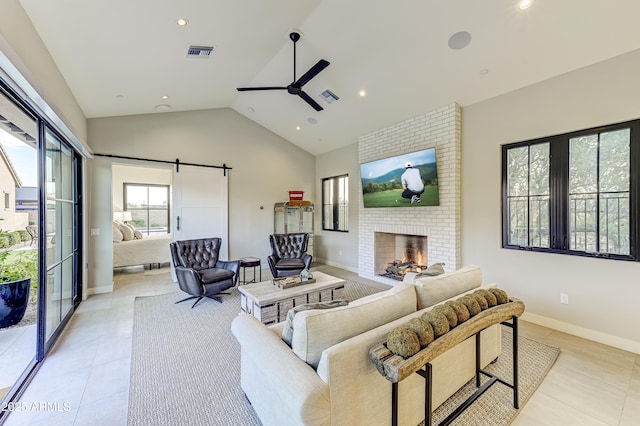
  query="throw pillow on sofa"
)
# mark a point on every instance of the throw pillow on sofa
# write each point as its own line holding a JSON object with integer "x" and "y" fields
{"x": 433, "y": 290}
{"x": 287, "y": 331}
{"x": 432, "y": 271}
{"x": 316, "y": 330}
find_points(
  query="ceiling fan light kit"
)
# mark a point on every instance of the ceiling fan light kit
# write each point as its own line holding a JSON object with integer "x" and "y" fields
{"x": 295, "y": 88}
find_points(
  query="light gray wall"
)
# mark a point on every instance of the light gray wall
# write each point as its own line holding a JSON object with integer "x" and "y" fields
{"x": 603, "y": 294}
{"x": 264, "y": 168}
{"x": 99, "y": 258}
{"x": 338, "y": 249}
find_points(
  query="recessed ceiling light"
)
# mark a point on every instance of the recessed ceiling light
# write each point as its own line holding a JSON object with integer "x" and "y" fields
{"x": 312, "y": 120}
{"x": 182, "y": 22}
{"x": 297, "y": 127}
{"x": 484, "y": 71}
{"x": 119, "y": 96}
{"x": 362, "y": 93}
{"x": 525, "y": 4}
{"x": 459, "y": 40}
{"x": 165, "y": 97}
{"x": 251, "y": 109}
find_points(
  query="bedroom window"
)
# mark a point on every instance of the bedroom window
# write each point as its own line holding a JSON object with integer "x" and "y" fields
{"x": 335, "y": 203}
{"x": 149, "y": 207}
{"x": 575, "y": 193}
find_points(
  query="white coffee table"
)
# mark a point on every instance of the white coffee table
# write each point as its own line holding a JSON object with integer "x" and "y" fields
{"x": 270, "y": 304}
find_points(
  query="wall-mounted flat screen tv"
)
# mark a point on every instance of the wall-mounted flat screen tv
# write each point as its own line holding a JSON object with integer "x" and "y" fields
{"x": 407, "y": 180}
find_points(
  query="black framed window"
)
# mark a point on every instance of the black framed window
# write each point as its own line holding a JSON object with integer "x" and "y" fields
{"x": 575, "y": 193}
{"x": 335, "y": 203}
{"x": 148, "y": 205}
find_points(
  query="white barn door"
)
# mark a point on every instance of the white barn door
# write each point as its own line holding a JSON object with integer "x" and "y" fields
{"x": 200, "y": 205}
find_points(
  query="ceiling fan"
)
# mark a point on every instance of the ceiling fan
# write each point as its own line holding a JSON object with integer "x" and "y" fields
{"x": 295, "y": 88}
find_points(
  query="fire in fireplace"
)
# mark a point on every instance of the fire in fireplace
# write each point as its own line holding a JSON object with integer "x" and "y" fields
{"x": 397, "y": 269}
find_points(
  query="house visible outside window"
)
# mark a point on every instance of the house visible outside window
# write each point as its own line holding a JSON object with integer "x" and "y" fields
{"x": 149, "y": 207}
{"x": 335, "y": 203}
{"x": 574, "y": 193}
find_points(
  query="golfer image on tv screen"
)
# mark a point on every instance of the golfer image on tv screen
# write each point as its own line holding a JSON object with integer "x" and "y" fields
{"x": 412, "y": 183}
{"x": 405, "y": 180}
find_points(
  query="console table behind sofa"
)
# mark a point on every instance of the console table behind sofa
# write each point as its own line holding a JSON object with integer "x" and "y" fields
{"x": 395, "y": 368}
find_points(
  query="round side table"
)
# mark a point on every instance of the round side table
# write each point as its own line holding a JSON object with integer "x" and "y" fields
{"x": 250, "y": 262}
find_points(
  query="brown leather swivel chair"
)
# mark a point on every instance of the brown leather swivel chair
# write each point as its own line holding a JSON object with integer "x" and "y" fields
{"x": 199, "y": 271}
{"x": 289, "y": 254}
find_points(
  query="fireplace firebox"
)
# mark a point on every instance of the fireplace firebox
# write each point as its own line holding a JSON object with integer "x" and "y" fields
{"x": 397, "y": 254}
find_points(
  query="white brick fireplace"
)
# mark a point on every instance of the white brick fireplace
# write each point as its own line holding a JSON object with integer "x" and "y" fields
{"x": 440, "y": 224}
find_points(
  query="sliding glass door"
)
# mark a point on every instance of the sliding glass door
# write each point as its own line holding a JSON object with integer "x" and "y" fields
{"x": 60, "y": 220}
{"x": 19, "y": 253}
{"x": 40, "y": 236}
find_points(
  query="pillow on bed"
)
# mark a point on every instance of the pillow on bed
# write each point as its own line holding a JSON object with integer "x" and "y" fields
{"x": 127, "y": 232}
{"x": 117, "y": 234}
{"x": 137, "y": 235}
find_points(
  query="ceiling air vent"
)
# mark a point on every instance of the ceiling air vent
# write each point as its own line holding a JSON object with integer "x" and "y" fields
{"x": 329, "y": 96}
{"x": 199, "y": 51}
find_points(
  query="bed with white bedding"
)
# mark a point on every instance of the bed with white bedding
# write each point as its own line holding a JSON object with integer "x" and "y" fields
{"x": 151, "y": 249}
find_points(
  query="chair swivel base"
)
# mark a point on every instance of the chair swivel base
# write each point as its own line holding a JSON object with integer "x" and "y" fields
{"x": 210, "y": 296}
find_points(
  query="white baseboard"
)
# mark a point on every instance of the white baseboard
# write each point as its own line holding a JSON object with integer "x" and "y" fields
{"x": 99, "y": 290}
{"x": 586, "y": 333}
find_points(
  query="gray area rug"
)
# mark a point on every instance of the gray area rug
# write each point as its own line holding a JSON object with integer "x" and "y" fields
{"x": 185, "y": 367}
{"x": 185, "y": 363}
{"x": 495, "y": 406}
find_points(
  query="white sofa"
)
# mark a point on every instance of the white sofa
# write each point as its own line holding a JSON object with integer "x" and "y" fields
{"x": 326, "y": 376}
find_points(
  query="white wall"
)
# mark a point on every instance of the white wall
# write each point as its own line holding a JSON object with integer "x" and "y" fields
{"x": 338, "y": 249}
{"x": 264, "y": 168}
{"x": 603, "y": 294}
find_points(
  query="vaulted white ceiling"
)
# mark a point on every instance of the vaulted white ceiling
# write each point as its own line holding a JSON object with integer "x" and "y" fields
{"x": 119, "y": 57}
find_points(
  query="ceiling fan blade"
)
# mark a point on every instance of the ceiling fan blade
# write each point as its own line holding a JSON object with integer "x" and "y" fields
{"x": 313, "y": 71}
{"x": 247, "y": 89}
{"x": 310, "y": 101}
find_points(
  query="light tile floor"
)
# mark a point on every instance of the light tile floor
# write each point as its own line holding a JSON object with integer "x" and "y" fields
{"x": 88, "y": 369}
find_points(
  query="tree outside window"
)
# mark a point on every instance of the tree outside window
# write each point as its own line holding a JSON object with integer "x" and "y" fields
{"x": 575, "y": 193}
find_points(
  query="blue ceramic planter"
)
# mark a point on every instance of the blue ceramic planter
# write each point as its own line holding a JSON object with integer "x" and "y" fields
{"x": 14, "y": 298}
